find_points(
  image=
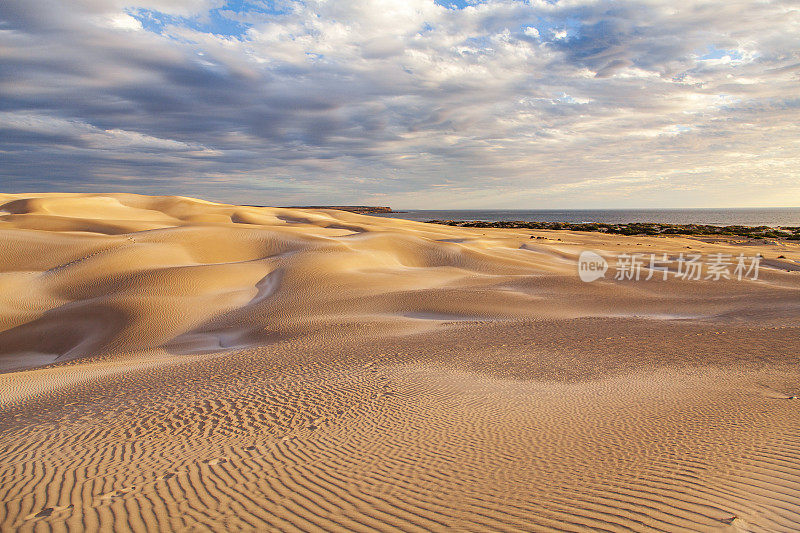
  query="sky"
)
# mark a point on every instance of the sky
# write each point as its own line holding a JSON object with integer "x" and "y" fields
{"x": 408, "y": 103}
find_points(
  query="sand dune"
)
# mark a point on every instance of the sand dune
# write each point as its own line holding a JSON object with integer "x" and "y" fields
{"x": 223, "y": 367}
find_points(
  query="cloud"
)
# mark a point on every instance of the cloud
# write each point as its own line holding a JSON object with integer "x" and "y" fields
{"x": 491, "y": 104}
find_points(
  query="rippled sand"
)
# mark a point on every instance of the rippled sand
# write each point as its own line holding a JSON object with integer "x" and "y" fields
{"x": 174, "y": 364}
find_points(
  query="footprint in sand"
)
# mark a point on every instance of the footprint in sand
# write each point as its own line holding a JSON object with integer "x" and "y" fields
{"x": 116, "y": 493}
{"x": 49, "y": 511}
{"x": 386, "y": 390}
{"x": 315, "y": 423}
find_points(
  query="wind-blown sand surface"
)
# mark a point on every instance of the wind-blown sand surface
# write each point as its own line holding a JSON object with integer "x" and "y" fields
{"x": 175, "y": 364}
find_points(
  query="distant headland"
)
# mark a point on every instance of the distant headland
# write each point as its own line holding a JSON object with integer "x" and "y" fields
{"x": 360, "y": 209}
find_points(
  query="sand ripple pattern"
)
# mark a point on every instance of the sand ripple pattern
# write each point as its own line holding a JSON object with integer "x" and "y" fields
{"x": 251, "y": 441}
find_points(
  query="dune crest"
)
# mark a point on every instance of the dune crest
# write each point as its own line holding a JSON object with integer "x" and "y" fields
{"x": 123, "y": 273}
{"x": 88, "y": 274}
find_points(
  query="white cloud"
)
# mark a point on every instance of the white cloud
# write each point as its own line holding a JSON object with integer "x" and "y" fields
{"x": 359, "y": 99}
{"x": 80, "y": 134}
{"x": 123, "y": 21}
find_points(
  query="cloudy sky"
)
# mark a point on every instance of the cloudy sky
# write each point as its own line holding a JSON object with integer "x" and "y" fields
{"x": 408, "y": 103}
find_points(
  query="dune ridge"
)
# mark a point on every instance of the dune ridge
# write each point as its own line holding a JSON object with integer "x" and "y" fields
{"x": 125, "y": 273}
{"x": 129, "y": 273}
{"x": 168, "y": 363}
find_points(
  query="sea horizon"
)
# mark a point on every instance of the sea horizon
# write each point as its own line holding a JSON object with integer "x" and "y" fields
{"x": 736, "y": 216}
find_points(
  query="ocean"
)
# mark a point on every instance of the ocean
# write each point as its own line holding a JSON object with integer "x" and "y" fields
{"x": 719, "y": 217}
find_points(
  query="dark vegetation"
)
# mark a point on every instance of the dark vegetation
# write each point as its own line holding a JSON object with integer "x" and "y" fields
{"x": 639, "y": 228}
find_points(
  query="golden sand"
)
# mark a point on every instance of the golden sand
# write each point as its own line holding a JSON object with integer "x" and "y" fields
{"x": 175, "y": 364}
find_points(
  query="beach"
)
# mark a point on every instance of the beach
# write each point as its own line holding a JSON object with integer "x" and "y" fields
{"x": 168, "y": 363}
